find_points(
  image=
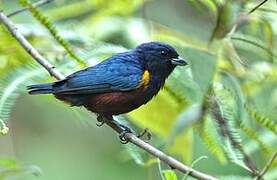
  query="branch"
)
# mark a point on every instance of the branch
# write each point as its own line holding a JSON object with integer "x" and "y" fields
{"x": 29, "y": 48}
{"x": 267, "y": 166}
{"x": 36, "y": 4}
{"x": 257, "y": 6}
{"x": 128, "y": 136}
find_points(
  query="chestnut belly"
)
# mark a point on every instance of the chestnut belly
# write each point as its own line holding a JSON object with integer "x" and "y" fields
{"x": 115, "y": 103}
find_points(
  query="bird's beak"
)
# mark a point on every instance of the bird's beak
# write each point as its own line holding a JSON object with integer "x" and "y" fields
{"x": 178, "y": 61}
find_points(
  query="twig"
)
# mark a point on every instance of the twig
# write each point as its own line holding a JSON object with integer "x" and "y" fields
{"x": 267, "y": 166}
{"x": 29, "y": 48}
{"x": 257, "y": 6}
{"x": 36, "y": 4}
{"x": 270, "y": 52}
{"x": 128, "y": 136}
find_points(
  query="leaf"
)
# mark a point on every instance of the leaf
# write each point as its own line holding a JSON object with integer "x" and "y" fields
{"x": 209, "y": 4}
{"x": 186, "y": 118}
{"x": 222, "y": 114}
{"x": 234, "y": 177}
{"x": 169, "y": 175}
{"x": 202, "y": 66}
{"x": 181, "y": 83}
{"x": 209, "y": 139}
{"x": 227, "y": 13}
{"x": 158, "y": 115}
{"x": 258, "y": 44}
{"x": 193, "y": 163}
{"x": 6, "y": 162}
{"x": 3, "y": 128}
{"x": 230, "y": 82}
{"x": 261, "y": 119}
{"x": 10, "y": 167}
{"x": 254, "y": 135}
{"x": 16, "y": 82}
{"x": 176, "y": 145}
{"x": 234, "y": 154}
{"x": 44, "y": 20}
{"x": 135, "y": 153}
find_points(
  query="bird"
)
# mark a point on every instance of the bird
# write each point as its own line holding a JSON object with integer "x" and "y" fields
{"x": 119, "y": 84}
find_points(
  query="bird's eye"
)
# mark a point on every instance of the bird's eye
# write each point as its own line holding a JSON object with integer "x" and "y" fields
{"x": 164, "y": 53}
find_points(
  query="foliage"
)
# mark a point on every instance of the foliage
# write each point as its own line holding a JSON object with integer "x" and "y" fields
{"x": 12, "y": 168}
{"x": 44, "y": 20}
{"x": 222, "y": 106}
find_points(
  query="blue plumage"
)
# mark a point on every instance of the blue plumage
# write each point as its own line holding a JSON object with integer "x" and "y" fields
{"x": 119, "y": 84}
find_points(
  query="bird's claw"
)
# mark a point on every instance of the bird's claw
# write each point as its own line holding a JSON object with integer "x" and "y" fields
{"x": 145, "y": 133}
{"x": 100, "y": 122}
{"x": 125, "y": 130}
{"x": 122, "y": 137}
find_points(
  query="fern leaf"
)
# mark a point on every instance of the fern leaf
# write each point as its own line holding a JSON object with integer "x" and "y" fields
{"x": 51, "y": 28}
{"x": 253, "y": 135}
{"x": 254, "y": 42}
{"x": 261, "y": 119}
{"x": 12, "y": 86}
{"x": 211, "y": 143}
{"x": 223, "y": 116}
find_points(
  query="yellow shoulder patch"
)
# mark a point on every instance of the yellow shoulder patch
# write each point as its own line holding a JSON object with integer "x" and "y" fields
{"x": 145, "y": 78}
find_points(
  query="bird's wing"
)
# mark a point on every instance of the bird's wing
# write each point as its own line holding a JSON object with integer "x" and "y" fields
{"x": 114, "y": 74}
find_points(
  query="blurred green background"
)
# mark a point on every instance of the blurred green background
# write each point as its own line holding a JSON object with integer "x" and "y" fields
{"x": 218, "y": 115}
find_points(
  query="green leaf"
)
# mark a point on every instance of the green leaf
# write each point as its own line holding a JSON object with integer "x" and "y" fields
{"x": 230, "y": 82}
{"x": 261, "y": 119}
{"x": 254, "y": 135}
{"x": 170, "y": 175}
{"x": 231, "y": 140}
{"x": 3, "y": 128}
{"x": 255, "y": 42}
{"x": 8, "y": 162}
{"x": 158, "y": 115}
{"x": 187, "y": 118}
{"x": 16, "y": 82}
{"x": 134, "y": 153}
{"x": 206, "y": 131}
{"x": 44, "y": 20}
{"x": 203, "y": 65}
{"x": 227, "y": 14}
{"x": 10, "y": 167}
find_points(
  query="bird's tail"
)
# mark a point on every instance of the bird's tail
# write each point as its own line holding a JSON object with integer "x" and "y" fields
{"x": 41, "y": 88}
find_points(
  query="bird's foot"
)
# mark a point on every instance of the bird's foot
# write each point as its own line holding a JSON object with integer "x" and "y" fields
{"x": 122, "y": 137}
{"x": 100, "y": 121}
{"x": 145, "y": 133}
{"x": 141, "y": 135}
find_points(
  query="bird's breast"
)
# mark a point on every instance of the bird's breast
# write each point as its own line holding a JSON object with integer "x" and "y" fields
{"x": 120, "y": 102}
{"x": 115, "y": 103}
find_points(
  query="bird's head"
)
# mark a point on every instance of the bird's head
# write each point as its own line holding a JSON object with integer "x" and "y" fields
{"x": 159, "y": 58}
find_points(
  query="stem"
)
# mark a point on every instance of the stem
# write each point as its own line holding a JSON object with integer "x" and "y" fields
{"x": 267, "y": 166}
{"x": 128, "y": 136}
{"x": 29, "y": 48}
{"x": 257, "y": 6}
{"x": 36, "y": 4}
